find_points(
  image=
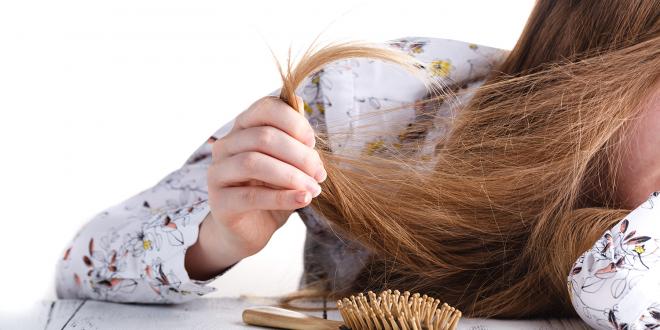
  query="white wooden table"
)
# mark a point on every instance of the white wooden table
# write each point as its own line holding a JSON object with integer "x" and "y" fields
{"x": 203, "y": 313}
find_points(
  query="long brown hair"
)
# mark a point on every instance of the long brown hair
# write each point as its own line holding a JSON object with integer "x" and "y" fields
{"x": 521, "y": 184}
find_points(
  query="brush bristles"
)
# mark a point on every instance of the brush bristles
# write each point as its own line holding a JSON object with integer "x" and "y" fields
{"x": 391, "y": 310}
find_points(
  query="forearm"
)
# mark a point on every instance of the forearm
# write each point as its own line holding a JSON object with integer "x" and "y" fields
{"x": 124, "y": 255}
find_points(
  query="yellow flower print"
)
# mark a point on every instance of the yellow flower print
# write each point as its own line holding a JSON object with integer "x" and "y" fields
{"x": 440, "y": 68}
{"x": 473, "y": 46}
{"x": 321, "y": 107}
{"x": 146, "y": 244}
{"x": 307, "y": 108}
{"x": 316, "y": 80}
{"x": 374, "y": 146}
{"x": 639, "y": 249}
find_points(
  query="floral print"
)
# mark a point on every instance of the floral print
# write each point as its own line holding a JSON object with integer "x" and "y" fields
{"x": 440, "y": 68}
{"x": 132, "y": 261}
{"x": 616, "y": 284}
{"x": 134, "y": 251}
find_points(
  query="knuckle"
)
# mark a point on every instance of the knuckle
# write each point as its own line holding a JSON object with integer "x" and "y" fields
{"x": 254, "y": 109}
{"x": 260, "y": 101}
{"x": 265, "y": 103}
{"x": 240, "y": 118}
{"x": 269, "y": 98}
{"x": 265, "y": 136}
{"x": 249, "y": 160}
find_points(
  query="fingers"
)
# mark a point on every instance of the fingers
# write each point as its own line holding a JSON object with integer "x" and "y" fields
{"x": 274, "y": 142}
{"x": 271, "y": 111}
{"x": 271, "y": 144}
{"x": 236, "y": 200}
{"x": 254, "y": 165}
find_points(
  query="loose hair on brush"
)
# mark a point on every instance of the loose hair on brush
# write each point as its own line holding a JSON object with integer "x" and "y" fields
{"x": 523, "y": 181}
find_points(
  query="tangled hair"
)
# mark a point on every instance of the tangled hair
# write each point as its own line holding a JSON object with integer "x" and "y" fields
{"x": 522, "y": 183}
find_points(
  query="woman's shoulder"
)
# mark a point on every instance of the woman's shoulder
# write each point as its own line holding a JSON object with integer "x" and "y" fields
{"x": 447, "y": 60}
{"x": 450, "y": 59}
{"x": 346, "y": 96}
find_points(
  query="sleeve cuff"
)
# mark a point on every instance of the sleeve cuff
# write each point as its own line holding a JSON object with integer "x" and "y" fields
{"x": 168, "y": 237}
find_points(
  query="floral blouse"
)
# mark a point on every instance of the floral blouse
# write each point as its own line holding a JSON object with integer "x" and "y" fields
{"x": 134, "y": 251}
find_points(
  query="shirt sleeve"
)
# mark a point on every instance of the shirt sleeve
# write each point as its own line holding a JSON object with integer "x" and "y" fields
{"x": 134, "y": 251}
{"x": 616, "y": 283}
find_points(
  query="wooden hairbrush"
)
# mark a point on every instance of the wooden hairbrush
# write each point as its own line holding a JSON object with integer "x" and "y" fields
{"x": 389, "y": 310}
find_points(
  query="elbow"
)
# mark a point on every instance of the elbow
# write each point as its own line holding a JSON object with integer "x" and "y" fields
{"x": 67, "y": 282}
{"x": 616, "y": 283}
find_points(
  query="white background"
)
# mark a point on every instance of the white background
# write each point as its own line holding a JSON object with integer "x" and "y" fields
{"x": 101, "y": 99}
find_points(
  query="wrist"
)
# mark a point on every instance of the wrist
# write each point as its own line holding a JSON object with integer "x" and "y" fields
{"x": 210, "y": 256}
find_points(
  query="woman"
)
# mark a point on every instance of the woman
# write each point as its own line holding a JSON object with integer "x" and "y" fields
{"x": 533, "y": 166}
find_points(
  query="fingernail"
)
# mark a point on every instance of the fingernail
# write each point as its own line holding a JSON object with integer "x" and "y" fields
{"x": 303, "y": 197}
{"x": 321, "y": 175}
{"x": 314, "y": 188}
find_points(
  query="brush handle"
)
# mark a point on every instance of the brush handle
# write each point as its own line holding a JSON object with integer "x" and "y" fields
{"x": 276, "y": 317}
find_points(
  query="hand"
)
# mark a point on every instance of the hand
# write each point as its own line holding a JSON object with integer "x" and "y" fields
{"x": 261, "y": 171}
